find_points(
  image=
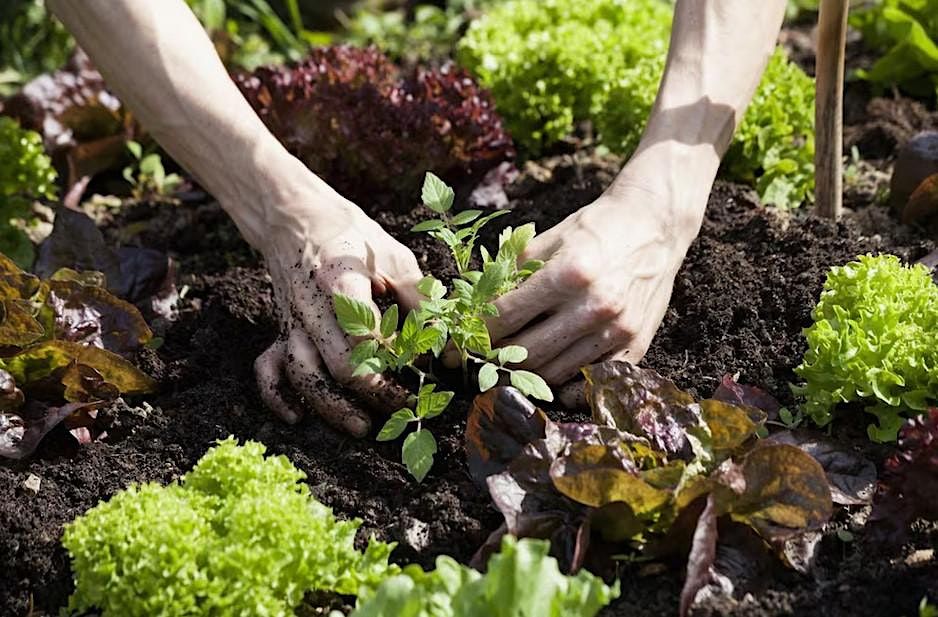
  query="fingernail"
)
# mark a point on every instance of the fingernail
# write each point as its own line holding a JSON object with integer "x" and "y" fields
{"x": 357, "y": 426}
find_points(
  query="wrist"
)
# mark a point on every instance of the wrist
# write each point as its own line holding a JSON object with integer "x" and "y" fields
{"x": 677, "y": 177}
{"x": 272, "y": 196}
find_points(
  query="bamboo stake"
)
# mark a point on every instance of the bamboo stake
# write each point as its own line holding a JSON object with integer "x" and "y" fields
{"x": 829, "y": 108}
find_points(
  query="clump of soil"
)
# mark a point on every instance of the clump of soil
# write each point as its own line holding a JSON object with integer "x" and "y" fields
{"x": 739, "y": 304}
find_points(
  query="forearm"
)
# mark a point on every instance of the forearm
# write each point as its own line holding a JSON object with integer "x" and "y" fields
{"x": 718, "y": 51}
{"x": 162, "y": 65}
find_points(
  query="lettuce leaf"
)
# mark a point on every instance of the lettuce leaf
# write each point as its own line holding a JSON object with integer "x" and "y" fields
{"x": 521, "y": 581}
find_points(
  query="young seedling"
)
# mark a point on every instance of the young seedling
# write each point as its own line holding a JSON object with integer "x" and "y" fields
{"x": 446, "y": 317}
{"x": 150, "y": 180}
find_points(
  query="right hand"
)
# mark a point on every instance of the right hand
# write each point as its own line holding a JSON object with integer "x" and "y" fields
{"x": 333, "y": 247}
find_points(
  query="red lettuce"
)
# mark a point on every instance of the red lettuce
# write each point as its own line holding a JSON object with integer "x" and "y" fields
{"x": 369, "y": 127}
{"x": 61, "y": 346}
{"x": 656, "y": 472}
{"x": 908, "y": 488}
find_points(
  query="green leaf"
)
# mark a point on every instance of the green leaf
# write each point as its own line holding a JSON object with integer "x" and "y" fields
{"x": 473, "y": 336}
{"x": 493, "y": 277}
{"x": 512, "y": 354}
{"x": 466, "y": 216}
{"x": 531, "y": 384}
{"x": 488, "y": 376}
{"x": 369, "y": 367}
{"x": 436, "y": 194}
{"x": 446, "y": 236}
{"x": 431, "y": 288}
{"x": 389, "y": 321}
{"x": 430, "y": 403}
{"x": 396, "y": 424}
{"x": 417, "y": 453}
{"x": 514, "y": 245}
{"x": 412, "y": 326}
{"x": 427, "y": 339}
{"x": 355, "y": 317}
{"x": 430, "y": 225}
{"x": 135, "y": 149}
{"x": 363, "y": 351}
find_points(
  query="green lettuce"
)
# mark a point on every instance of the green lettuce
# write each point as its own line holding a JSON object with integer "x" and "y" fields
{"x": 874, "y": 340}
{"x": 552, "y": 64}
{"x": 521, "y": 581}
{"x": 906, "y": 31}
{"x": 239, "y": 535}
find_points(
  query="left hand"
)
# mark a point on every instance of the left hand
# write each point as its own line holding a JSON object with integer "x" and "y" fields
{"x": 605, "y": 287}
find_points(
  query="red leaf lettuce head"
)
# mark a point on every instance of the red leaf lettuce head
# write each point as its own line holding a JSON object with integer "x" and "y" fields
{"x": 369, "y": 128}
{"x": 908, "y": 488}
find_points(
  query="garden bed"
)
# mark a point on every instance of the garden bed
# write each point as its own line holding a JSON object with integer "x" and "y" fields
{"x": 739, "y": 304}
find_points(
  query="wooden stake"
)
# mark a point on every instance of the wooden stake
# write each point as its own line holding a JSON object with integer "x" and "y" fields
{"x": 829, "y": 108}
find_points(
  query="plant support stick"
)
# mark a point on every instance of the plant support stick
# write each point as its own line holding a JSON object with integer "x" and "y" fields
{"x": 832, "y": 32}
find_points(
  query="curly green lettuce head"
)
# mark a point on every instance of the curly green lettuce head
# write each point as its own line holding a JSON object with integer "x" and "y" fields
{"x": 551, "y": 64}
{"x": 239, "y": 535}
{"x": 875, "y": 340}
{"x": 548, "y": 62}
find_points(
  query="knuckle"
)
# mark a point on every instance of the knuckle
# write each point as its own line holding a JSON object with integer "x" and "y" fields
{"x": 604, "y": 309}
{"x": 619, "y": 332}
{"x": 578, "y": 272}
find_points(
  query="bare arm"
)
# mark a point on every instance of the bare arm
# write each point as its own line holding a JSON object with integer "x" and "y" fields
{"x": 611, "y": 265}
{"x": 158, "y": 59}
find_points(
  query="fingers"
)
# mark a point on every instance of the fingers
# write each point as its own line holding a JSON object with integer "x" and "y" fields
{"x": 522, "y": 305}
{"x": 306, "y": 374}
{"x": 587, "y": 350}
{"x": 316, "y": 315}
{"x": 546, "y": 340}
{"x": 268, "y": 369}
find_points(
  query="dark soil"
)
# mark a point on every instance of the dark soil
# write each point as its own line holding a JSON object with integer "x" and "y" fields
{"x": 739, "y": 304}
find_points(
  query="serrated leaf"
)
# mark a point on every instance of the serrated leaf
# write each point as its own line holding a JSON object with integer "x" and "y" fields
{"x": 488, "y": 310}
{"x": 531, "y": 384}
{"x": 354, "y": 316}
{"x": 431, "y": 288}
{"x": 389, "y": 321}
{"x": 466, "y": 216}
{"x": 446, "y": 236}
{"x": 488, "y": 376}
{"x": 363, "y": 351}
{"x": 493, "y": 277}
{"x": 474, "y": 336}
{"x": 417, "y": 453}
{"x": 431, "y": 225}
{"x": 427, "y": 339}
{"x": 369, "y": 367}
{"x": 396, "y": 424}
{"x": 436, "y": 194}
{"x": 513, "y": 246}
{"x": 512, "y": 354}
{"x": 440, "y": 344}
{"x": 430, "y": 403}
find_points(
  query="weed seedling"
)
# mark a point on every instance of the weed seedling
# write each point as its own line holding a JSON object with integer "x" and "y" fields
{"x": 147, "y": 176}
{"x": 447, "y": 318}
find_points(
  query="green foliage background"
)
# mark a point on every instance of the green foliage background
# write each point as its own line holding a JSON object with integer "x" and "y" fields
{"x": 26, "y": 173}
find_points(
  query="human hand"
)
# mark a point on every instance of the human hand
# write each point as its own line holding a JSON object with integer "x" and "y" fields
{"x": 605, "y": 287}
{"x": 337, "y": 249}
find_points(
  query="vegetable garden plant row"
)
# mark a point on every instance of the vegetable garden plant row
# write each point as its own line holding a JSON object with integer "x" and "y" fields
{"x": 737, "y": 308}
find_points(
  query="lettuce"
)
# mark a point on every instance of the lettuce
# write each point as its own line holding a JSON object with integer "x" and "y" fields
{"x": 874, "y": 340}
{"x": 906, "y": 31}
{"x": 372, "y": 129}
{"x": 240, "y": 534}
{"x": 26, "y": 173}
{"x": 521, "y": 581}
{"x": 552, "y": 64}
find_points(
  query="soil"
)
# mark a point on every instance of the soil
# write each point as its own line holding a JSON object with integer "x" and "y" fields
{"x": 739, "y": 305}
